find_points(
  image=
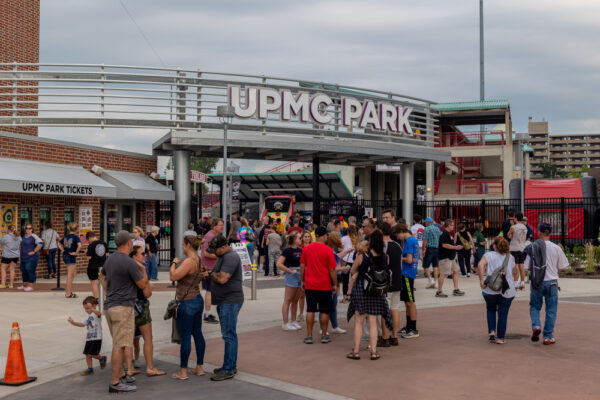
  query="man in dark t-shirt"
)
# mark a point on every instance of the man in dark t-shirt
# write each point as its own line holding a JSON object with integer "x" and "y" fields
{"x": 97, "y": 251}
{"x": 262, "y": 248}
{"x": 228, "y": 296}
{"x": 447, "y": 256}
{"x": 394, "y": 253}
{"x": 507, "y": 223}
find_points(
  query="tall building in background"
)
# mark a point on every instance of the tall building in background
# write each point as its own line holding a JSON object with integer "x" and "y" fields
{"x": 565, "y": 151}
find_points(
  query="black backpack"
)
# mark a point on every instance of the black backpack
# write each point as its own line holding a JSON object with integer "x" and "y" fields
{"x": 377, "y": 278}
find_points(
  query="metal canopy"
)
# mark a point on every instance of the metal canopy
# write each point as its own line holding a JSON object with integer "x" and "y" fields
{"x": 41, "y": 178}
{"x": 131, "y": 185}
{"x": 298, "y": 184}
{"x": 288, "y": 146}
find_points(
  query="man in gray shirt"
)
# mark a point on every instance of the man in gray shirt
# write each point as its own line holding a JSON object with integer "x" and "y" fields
{"x": 228, "y": 296}
{"x": 120, "y": 276}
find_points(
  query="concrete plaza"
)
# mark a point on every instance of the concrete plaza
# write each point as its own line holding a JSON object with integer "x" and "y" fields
{"x": 451, "y": 359}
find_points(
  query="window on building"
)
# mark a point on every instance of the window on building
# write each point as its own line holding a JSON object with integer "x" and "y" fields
{"x": 69, "y": 217}
{"x": 45, "y": 216}
{"x": 25, "y": 217}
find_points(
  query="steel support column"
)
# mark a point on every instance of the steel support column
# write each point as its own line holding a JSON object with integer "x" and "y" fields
{"x": 183, "y": 198}
{"x": 407, "y": 172}
{"x": 315, "y": 190}
{"x": 429, "y": 180}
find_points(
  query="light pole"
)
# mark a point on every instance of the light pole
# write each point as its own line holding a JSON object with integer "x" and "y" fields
{"x": 522, "y": 137}
{"x": 225, "y": 114}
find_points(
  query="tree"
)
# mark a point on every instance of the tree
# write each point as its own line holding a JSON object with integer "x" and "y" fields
{"x": 203, "y": 164}
{"x": 550, "y": 170}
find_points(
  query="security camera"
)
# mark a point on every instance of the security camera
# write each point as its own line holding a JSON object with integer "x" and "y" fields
{"x": 97, "y": 170}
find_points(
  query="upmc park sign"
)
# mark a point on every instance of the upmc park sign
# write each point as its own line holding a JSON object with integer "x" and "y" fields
{"x": 304, "y": 107}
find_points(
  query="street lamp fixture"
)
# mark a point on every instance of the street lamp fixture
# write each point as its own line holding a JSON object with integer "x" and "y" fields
{"x": 225, "y": 114}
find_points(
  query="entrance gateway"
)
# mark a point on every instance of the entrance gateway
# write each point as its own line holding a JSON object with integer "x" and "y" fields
{"x": 294, "y": 120}
{"x": 277, "y": 118}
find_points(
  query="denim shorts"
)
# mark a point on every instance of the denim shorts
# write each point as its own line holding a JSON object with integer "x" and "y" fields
{"x": 293, "y": 280}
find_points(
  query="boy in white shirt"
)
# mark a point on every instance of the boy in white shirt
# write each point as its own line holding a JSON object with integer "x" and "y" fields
{"x": 93, "y": 340}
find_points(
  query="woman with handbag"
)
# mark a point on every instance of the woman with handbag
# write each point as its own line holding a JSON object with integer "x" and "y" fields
{"x": 498, "y": 287}
{"x": 50, "y": 248}
{"x": 188, "y": 316}
{"x": 362, "y": 303}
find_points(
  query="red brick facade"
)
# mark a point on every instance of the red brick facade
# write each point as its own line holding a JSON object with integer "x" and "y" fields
{"x": 19, "y": 42}
{"x": 26, "y": 149}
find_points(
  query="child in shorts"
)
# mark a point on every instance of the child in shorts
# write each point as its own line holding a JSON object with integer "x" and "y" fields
{"x": 93, "y": 340}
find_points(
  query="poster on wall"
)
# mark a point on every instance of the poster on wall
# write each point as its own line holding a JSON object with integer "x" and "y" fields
{"x": 149, "y": 220}
{"x": 85, "y": 221}
{"x": 8, "y": 214}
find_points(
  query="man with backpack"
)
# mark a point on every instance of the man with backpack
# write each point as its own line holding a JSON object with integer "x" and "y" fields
{"x": 544, "y": 260}
{"x": 410, "y": 263}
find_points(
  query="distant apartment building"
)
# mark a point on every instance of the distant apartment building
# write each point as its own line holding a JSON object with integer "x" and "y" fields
{"x": 565, "y": 151}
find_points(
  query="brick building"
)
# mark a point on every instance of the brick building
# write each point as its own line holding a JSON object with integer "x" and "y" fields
{"x": 44, "y": 179}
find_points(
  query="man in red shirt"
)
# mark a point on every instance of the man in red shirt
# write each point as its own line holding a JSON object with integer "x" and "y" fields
{"x": 319, "y": 278}
{"x": 295, "y": 227}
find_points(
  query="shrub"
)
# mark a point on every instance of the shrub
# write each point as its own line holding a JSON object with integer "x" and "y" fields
{"x": 569, "y": 271}
{"x": 597, "y": 254}
{"x": 579, "y": 252}
{"x": 590, "y": 261}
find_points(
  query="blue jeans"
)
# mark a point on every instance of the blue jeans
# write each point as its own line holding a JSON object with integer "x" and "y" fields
{"x": 189, "y": 323}
{"x": 228, "y": 315}
{"x": 52, "y": 261}
{"x": 333, "y": 315}
{"x": 28, "y": 270}
{"x": 477, "y": 257}
{"x": 431, "y": 257}
{"x": 549, "y": 292}
{"x": 153, "y": 266}
{"x": 497, "y": 304}
{"x": 464, "y": 261}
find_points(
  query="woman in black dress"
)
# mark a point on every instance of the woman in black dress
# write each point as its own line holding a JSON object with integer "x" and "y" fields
{"x": 363, "y": 305}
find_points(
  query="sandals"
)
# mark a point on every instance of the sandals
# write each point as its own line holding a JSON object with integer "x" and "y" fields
{"x": 71, "y": 296}
{"x": 492, "y": 337}
{"x": 375, "y": 356}
{"x": 499, "y": 341}
{"x": 155, "y": 372}
{"x": 353, "y": 356}
{"x": 195, "y": 372}
{"x": 179, "y": 377}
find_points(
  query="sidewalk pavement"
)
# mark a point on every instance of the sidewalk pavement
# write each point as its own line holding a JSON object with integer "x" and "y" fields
{"x": 53, "y": 347}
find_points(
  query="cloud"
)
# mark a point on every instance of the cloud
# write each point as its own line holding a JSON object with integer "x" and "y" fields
{"x": 540, "y": 55}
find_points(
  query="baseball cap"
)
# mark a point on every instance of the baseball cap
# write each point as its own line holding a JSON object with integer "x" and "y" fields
{"x": 428, "y": 219}
{"x": 215, "y": 243}
{"x": 545, "y": 227}
{"x": 122, "y": 237}
{"x": 341, "y": 217}
{"x": 320, "y": 231}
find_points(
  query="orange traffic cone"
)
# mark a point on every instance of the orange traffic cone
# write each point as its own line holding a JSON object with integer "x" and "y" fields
{"x": 16, "y": 371}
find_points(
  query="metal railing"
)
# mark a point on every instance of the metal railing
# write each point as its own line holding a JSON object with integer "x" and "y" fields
{"x": 461, "y": 139}
{"x": 469, "y": 186}
{"x": 116, "y": 96}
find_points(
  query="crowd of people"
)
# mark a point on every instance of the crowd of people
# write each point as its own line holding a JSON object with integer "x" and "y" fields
{"x": 372, "y": 265}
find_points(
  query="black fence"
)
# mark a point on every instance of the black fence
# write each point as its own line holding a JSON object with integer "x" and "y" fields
{"x": 574, "y": 220}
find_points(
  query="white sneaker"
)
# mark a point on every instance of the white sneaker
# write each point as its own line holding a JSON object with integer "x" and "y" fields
{"x": 292, "y": 327}
{"x": 288, "y": 327}
{"x": 296, "y": 325}
{"x": 338, "y": 330}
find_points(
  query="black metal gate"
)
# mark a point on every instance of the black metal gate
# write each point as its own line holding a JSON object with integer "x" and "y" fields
{"x": 165, "y": 218}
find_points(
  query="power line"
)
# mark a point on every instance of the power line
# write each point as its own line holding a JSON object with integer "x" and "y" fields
{"x": 142, "y": 33}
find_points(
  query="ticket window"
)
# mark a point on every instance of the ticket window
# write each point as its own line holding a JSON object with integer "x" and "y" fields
{"x": 127, "y": 222}
{"x": 25, "y": 217}
{"x": 45, "y": 216}
{"x": 69, "y": 217}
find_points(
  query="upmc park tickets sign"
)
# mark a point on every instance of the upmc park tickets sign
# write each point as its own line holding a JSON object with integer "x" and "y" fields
{"x": 304, "y": 107}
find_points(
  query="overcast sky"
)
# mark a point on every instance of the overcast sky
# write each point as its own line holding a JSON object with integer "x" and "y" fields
{"x": 540, "y": 55}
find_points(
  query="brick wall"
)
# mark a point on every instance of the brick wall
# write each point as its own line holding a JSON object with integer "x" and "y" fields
{"x": 25, "y": 149}
{"x": 57, "y": 204}
{"x": 19, "y": 42}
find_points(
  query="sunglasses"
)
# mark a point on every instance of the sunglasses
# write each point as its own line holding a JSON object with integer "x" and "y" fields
{"x": 28, "y": 227}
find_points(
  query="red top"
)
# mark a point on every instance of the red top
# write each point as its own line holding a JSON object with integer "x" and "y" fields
{"x": 295, "y": 229}
{"x": 318, "y": 259}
